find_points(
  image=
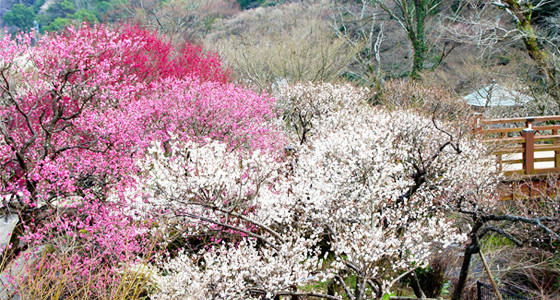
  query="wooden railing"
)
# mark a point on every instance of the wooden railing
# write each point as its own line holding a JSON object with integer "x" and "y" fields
{"x": 528, "y": 145}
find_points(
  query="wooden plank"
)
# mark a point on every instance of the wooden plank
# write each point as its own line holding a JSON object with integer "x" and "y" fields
{"x": 500, "y": 130}
{"x": 511, "y": 140}
{"x": 546, "y": 147}
{"x": 519, "y": 129}
{"x": 543, "y": 159}
{"x": 516, "y": 149}
{"x": 547, "y": 137}
{"x": 511, "y": 150}
{"x": 547, "y": 127}
{"x": 520, "y": 140}
{"x": 546, "y": 171}
{"x": 513, "y": 161}
{"x": 502, "y": 121}
{"x": 514, "y": 172}
{"x": 556, "y": 152}
{"x": 520, "y": 120}
{"x": 529, "y": 152}
{"x": 520, "y": 161}
{"x": 535, "y": 172}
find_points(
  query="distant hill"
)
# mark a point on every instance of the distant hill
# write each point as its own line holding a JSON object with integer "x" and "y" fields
{"x": 5, "y": 6}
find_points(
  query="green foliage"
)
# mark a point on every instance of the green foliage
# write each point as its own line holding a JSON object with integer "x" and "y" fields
{"x": 20, "y": 16}
{"x": 58, "y": 24}
{"x": 102, "y": 8}
{"x": 37, "y": 5}
{"x": 62, "y": 13}
{"x": 58, "y": 14}
{"x": 67, "y": 6}
{"x": 496, "y": 241}
{"x": 84, "y": 15}
{"x": 246, "y": 4}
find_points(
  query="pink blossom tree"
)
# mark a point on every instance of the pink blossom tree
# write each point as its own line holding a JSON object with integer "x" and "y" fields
{"x": 82, "y": 104}
{"x": 80, "y": 108}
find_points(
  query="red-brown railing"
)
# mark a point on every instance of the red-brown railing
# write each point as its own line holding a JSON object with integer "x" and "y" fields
{"x": 525, "y": 141}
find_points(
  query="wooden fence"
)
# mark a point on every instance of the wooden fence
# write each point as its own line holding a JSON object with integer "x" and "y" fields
{"x": 527, "y": 146}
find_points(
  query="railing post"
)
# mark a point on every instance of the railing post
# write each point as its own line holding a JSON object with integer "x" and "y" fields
{"x": 477, "y": 122}
{"x": 529, "y": 122}
{"x": 556, "y": 151}
{"x": 529, "y": 150}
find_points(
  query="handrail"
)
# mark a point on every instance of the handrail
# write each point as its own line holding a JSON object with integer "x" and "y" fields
{"x": 525, "y": 140}
{"x": 519, "y": 129}
{"x": 523, "y": 119}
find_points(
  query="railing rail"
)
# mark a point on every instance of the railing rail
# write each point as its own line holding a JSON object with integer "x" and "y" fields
{"x": 532, "y": 142}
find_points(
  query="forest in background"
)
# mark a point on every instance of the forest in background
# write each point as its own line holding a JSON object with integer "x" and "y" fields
{"x": 463, "y": 45}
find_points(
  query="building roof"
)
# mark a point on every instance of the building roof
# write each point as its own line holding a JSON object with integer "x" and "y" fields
{"x": 496, "y": 95}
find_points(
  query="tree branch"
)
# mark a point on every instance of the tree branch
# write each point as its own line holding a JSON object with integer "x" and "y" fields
{"x": 489, "y": 228}
{"x": 308, "y": 294}
{"x": 260, "y": 237}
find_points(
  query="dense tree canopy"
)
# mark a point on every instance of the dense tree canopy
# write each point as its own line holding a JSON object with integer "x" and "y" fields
{"x": 20, "y": 16}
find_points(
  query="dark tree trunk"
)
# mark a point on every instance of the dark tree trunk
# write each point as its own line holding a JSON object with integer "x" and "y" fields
{"x": 539, "y": 56}
{"x": 472, "y": 248}
{"x": 358, "y": 294}
{"x": 418, "y": 39}
{"x": 415, "y": 285}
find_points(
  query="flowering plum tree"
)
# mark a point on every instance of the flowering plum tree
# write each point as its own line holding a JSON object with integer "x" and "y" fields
{"x": 160, "y": 59}
{"x": 193, "y": 110}
{"x": 364, "y": 196}
{"x": 79, "y": 109}
{"x": 59, "y": 103}
{"x": 72, "y": 106}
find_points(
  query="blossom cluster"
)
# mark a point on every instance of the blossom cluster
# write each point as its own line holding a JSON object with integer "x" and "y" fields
{"x": 79, "y": 109}
{"x": 369, "y": 191}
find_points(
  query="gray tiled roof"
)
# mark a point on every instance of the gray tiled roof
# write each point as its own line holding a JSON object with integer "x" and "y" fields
{"x": 496, "y": 95}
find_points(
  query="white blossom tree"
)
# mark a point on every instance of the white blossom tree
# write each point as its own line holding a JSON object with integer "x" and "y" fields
{"x": 364, "y": 196}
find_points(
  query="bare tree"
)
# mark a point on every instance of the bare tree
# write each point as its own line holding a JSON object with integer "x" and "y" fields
{"x": 411, "y": 16}
{"x": 521, "y": 11}
{"x": 361, "y": 27}
{"x": 180, "y": 19}
{"x": 487, "y": 23}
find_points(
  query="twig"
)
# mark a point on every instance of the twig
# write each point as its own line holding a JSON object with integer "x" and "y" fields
{"x": 490, "y": 276}
{"x": 234, "y": 228}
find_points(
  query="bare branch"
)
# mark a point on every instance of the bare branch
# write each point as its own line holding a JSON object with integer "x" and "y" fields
{"x": 260, "y": 237}
{"x": 308, "y": 294}
{"x": 488, "y": 228}
{"x": 242, "y": 217}
{"x": 533, "y": 221}
{"x": 345, "y": 287}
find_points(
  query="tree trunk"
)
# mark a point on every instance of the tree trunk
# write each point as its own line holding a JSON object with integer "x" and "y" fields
{"x": 458, "y": 291}
{"x": 359, "y": 288}
{"x": 523, "y": 19}
{"x": 472, "y": 248}
{"x": 418, "y": 39}
{"x": 415, "y": 285}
